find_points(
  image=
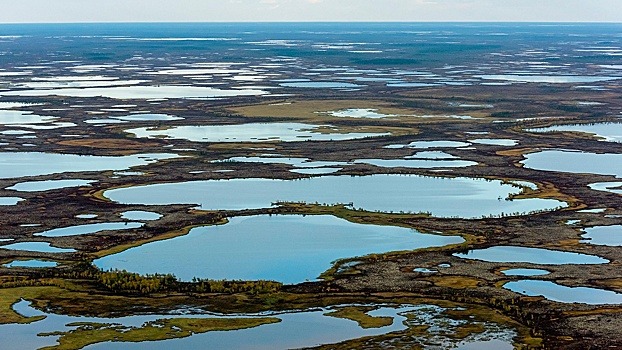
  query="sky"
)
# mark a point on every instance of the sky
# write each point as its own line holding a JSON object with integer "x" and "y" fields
{"x": 54, "y": 11}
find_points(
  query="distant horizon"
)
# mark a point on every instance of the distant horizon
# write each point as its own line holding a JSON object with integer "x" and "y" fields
{"x": 299, "y": 11}
{"x": 318, "y": 22}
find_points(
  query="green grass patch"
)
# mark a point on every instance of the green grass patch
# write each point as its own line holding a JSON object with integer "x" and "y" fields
{"x": 361, "y": 316}
{"x": 91, "y": 333}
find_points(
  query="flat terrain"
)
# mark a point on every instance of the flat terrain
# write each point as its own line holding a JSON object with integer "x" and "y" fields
{"x": 490, "y": 125}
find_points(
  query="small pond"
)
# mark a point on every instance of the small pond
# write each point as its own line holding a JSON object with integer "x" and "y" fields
{"x": 564, "y": 294}
{"x": 431, "y": 155}
{"x": 36, "y": 186}
{"x": 611, "y": 132}
{"x": 603, "y": 235}
{"x": 140, "y": 215}
{"x": 495, "y": 142}
{"x": 525, "y": 272}
{"x": 41, "y": 247}
{"x": 295, "y": 162}
{"x": 359, "y": 113}
{"x": 575, "y": 162}
{"x": 614, "y": 187}
{"x": 445, "y": 197}
{"x": 549, "y": 79}
{"x": 6, "y": 201}
{"x": 416, "y": 163}
{"x": 432, "y": 144}
{"x": 316, "y": 171}
{"x": 86, "y": 216}
{"x": 505, "y": 254}
{"x": 89, "y": 228}
{"x": 18, "y": 164}
{"x": 293, "y": 248}
{"x": 253, "y": 132}
{"x": 321, "y": 85}
{"x": 145, "y": 117}
{"x": 139, "y": 92}
{"x": 12, "y": 117}
{"x": 31, "y": 263}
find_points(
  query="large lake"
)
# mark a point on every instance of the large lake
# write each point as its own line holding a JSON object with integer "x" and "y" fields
{"x": 288, "y": 249}
{"x": 296, "y": 329}
{"x": 443, "y": 197}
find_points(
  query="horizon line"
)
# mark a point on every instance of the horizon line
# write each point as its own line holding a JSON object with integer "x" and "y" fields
{"x": 319, "y": 22}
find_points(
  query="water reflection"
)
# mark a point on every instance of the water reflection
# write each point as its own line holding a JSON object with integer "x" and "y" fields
{"x": 293, "y": 248}
{"x": 255, "y": 132}
{"x": 530, "y": 255}
{"x": 557, "y": 292}
{"x": 19, "y": 164}
{"x": 445, "y": 197}
{"x": 296, "y": 329}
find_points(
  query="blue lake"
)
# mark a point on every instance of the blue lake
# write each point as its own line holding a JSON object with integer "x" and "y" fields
{"x": 5, "y": 201}
{"x": 18, "y": 164}
{"x": 140, "y": 215}
{"x": 36, "y": 186}
{"x": 88, "y": 229}
{"x": 296, "y": 329}
{"x": 254, "y": 132}
{"x": 42, "y": 247}
{"x": 611, "y": 132}
{"x": 288, "y": 249}
{"x": 444, "y": 197}
{"x": 525, "y": 272}
{"x": 603, "y": 235}
{"x": 530, "y": 255}
{"x": 564, "y": 294}
{"x": 32, "y": 263}
{"x": 575, "y": 162}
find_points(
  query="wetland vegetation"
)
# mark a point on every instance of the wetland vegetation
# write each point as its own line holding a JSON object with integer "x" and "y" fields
{"x": 465, "y": 198}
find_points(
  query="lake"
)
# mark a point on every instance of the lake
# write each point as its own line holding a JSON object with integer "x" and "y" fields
{"x": 288, "y": 249}
{"x": 443, "y": 197}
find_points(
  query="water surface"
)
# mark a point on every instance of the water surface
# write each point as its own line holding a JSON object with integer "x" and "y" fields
{"x": 550, "y": 79}
{"x": 18, "y": 164}
{"x": 611, "y": 132}
{"x": 575, "y": 162}
{"x": 138, "y": 92}
{"x": 603, "y": 235}
{"x": 530, "y": 255}
{"x": 321, "y": 85}
{"x": 293, "y": 248}
{"x": 254, "y": 132}
{"x": 6, "y": 201}
{"x": 140, "y": 215}
{"x": 614, "y": 187}
{"x": 525, "y": 272}
{"x": 145, "y": 117}
{"x": 36, "y": 186}
{"x": 446, "y": 197}
{"x": 416, "y": 163}
{"x": 432, "y": 144}
{"x": 41, "y": 247}
{"x": 297, "y": 329}
{"x": 359, "y": 113}
{"x": 34, "y": 263}
{"x": 564, "y": 294}
{"x": 88, "y": 229}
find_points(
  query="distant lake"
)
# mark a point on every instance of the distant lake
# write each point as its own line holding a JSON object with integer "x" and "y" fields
{"x": 444, "y": 197}
{"x": 289, "y": 249}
